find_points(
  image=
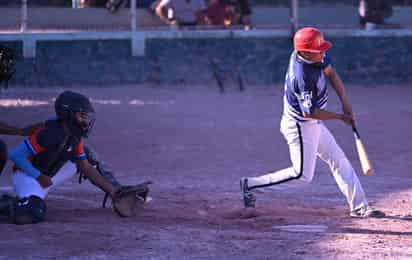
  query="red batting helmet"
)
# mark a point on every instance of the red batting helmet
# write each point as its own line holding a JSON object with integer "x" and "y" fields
{"x": 310, "y": 39}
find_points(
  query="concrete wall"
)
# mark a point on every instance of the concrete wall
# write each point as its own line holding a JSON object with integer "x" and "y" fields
{"x": 366, "y": 60}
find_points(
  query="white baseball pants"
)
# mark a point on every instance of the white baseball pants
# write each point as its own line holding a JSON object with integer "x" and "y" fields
{"x": 306, "y": 141}
{"x": 26, "y": 186}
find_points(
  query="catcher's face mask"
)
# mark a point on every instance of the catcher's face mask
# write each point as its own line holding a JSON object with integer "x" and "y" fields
{"x": 84, "y": 121}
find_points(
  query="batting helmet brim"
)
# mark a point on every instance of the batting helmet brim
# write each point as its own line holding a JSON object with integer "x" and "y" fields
{"x": 324, "y": 46}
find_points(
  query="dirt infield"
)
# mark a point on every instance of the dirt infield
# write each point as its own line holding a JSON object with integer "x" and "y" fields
{"x": 195, "y": 144}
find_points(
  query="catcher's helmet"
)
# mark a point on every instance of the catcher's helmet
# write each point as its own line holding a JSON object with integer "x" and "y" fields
{"x": 6, "y": 64}
{"x": 76, "y": 110}
{"x": 310, "y": 39}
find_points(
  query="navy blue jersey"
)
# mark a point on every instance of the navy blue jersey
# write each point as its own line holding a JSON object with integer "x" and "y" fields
{"x": 51, "y": 147}
{"x": 305, "y": 87}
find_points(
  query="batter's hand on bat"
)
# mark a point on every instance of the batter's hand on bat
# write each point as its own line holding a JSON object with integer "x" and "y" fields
{"x": 348, "y": 119}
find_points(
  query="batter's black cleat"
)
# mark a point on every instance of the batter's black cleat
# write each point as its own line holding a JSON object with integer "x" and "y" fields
{"x": 248, "y": 197}
{"x": 366, "y": 212}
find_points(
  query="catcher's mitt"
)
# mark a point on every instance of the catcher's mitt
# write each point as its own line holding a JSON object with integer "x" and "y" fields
{"x": 129, "y": 199}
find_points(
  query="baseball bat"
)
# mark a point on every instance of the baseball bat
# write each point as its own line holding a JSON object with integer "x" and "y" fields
{"x": 363, "y": 155}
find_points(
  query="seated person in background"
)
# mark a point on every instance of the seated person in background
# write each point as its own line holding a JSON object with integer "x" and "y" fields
{"x": 373, "y": 12}
{"x": 219, "y": 13}
{"x": 228, "y": 13}
{"x": 244, "y": 11}
{"x": 180, "y": 12}
{"x": 114, "y": 5}
{"x": 94, "y": 3}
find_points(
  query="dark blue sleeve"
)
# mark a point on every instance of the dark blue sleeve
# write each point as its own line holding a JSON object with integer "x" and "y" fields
{"x": 326, "y": 61}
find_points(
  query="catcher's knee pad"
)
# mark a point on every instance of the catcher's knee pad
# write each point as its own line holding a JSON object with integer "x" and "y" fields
{"x": 28, "y": 211}
{"x": 3, "y": 155}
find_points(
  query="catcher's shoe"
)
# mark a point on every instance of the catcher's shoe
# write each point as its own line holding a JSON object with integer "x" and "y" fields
{"x": 366, "y": 212}
{"x": 248, "y": 198}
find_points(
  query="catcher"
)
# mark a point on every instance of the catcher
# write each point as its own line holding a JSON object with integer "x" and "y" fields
{"x": 52, "y": 154}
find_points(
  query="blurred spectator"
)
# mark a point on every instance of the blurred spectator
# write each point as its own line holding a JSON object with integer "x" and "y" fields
{"x": 220, "y": 13}
{"x": 111, "y": 5}
{"x": 373, "y": 12}
{"x": 228, "y": 12}
{"x": 79, "y": 3}
{"x": 180, "y": 12}
{"x": 244, "y": 10}
{"x": 95, "y": 3}
{"x": 114, "y": 5}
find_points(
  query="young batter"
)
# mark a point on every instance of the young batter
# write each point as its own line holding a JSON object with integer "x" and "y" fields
{"x": 305, "y": 100}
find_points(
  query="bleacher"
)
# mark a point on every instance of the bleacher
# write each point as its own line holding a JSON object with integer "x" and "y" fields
{"x": 55, "y": 19}
{"x": 58, "y": 15}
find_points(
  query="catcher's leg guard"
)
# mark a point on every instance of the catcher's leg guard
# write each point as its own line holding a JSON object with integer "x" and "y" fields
{"x": 28, "y": 211}
{"x": 3, "y": 155}
{"x": 101, "y": 167}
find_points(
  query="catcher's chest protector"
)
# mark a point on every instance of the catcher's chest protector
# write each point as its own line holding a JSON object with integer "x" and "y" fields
{"x": 59, "y": 149}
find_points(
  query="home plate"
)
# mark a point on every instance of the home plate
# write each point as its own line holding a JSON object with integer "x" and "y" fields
{"x": 303, "y": 228}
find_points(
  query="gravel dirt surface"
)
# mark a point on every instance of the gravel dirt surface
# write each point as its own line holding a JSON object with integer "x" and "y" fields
{"x": 195, "y": 144}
